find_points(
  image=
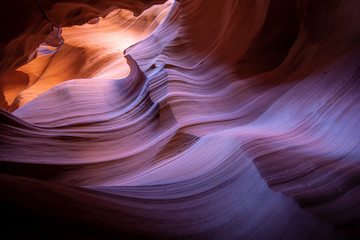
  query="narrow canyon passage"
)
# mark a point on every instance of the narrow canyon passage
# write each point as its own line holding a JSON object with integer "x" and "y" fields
{"x": 188, "y": 119}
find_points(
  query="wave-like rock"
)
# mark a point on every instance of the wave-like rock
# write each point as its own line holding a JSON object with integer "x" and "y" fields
{"x": 238, "y": 120}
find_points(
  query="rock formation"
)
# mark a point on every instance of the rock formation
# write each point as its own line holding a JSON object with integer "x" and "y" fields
{"x": 235, "y": 119}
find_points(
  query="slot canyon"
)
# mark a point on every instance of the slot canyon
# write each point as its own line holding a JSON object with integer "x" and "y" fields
{"x": 180, "y": 119}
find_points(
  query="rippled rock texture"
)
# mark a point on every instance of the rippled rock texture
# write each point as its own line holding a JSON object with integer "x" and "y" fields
{"x": 234, "y": 119}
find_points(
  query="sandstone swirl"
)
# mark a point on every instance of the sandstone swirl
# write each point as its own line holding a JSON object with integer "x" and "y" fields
{"x": 238, "y": 119}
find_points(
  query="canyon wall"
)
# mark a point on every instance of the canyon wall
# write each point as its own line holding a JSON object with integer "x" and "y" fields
{"x": 238, "y": 119}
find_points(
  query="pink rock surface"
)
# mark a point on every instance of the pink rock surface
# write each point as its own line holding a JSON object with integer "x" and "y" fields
{"x": 237, "y": 120}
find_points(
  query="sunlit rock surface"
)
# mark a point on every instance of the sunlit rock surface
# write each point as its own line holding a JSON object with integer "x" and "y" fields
{"x": 231, "y": 120}
{"x": 93, "y": 50}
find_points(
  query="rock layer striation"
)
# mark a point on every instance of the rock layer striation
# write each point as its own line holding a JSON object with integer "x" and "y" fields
{"x": 238, "y": 119}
